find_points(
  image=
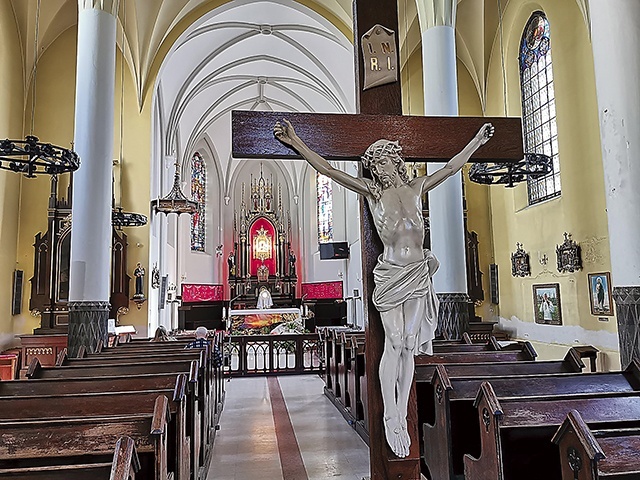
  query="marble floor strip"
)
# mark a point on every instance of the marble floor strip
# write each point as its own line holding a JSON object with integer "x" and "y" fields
{"x": 298, "y": 436}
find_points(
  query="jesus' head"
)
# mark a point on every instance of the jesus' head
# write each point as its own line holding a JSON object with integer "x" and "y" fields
{"x": 383, "y": 159}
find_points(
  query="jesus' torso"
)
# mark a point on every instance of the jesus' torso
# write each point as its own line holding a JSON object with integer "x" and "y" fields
{"x": 397, "y": 215}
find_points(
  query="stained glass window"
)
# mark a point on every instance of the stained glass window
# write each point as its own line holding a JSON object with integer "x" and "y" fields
{"x": 539, "y": 104}
{"x": 325, "y": 209}
{"x": 198, "y": 193}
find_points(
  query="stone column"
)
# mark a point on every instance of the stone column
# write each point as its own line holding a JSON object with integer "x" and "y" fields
{"x": 446, "y": 216}
{"x": 615, "y": 39}
{"x": 89, "y": 288}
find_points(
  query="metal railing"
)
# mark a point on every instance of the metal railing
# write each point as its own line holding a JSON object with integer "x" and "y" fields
{"x": 272, "y": 354}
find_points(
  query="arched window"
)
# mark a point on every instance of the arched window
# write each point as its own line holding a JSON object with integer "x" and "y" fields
{"x": 539, "y": 104}
{"x": 325, "y": 209}
{"x": 198, "y": 193}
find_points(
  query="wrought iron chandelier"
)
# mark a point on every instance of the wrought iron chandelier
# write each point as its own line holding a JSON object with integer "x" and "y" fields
{"x": 30, "y": 156}
{"x": 533, "y": 165}
{"x": 121, "y": 219}
{"x": 175, "y": 201}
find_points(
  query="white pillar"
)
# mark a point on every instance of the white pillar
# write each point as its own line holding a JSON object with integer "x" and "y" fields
{"x": 615, "y": 31}
{"x": 89, "y": 288}
{"x": 446, "y": 216}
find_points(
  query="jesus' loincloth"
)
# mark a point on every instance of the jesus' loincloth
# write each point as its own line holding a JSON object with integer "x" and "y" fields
{"x": 396, "y": 284}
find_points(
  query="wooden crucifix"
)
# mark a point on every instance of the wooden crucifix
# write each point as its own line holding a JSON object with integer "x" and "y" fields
{"x": 346, "y": 137}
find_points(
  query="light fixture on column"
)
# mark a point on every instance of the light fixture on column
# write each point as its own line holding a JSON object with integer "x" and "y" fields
{"x": 175, "y": 201}
{"x": 533, "y": 165}
{"x": 30, "y": 156}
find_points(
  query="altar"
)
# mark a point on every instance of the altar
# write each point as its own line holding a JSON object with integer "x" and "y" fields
{"x": 253, "y": 321}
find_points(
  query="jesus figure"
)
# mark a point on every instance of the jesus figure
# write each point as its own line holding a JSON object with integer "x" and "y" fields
{"x": 403, "y": 292}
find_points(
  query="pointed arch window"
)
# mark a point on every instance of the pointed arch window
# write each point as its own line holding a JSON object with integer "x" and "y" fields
{"x": 199, "y": 194}
{"x": 539, "y": 104}
{"x": 325, "y": 208}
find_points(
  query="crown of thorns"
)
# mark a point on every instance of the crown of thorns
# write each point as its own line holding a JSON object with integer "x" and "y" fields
{"x": 380, "y": 149}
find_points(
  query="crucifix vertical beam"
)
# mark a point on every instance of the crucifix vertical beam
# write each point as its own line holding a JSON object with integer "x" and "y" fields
{"x": 385, "y": 100}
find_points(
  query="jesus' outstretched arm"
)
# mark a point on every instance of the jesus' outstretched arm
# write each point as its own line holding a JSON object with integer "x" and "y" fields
{"x": 456, "y": 163}
{"x": 287, "y": 135}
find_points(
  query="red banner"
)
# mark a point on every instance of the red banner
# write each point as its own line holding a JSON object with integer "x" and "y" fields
{"x": 193, "y": 293}
{"x": 322, "y": 290}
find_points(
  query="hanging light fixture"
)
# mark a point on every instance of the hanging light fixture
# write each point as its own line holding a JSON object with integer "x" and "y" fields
{"x": 30, "y": 156}
{"x": 533, "y": 165}
{"x": 175, "y": 201}
{"x": 120, "y": 218}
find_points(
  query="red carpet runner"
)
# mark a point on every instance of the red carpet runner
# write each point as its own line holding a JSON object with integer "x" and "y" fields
{"x": 290, "y": 457}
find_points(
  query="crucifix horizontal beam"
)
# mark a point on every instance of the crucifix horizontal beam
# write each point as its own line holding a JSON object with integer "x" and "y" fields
{"x": 346, "y": 136}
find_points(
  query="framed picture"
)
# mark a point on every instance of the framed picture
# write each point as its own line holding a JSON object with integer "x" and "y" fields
{"x": 600, "y": 293}
{"x": 546, "y": 304}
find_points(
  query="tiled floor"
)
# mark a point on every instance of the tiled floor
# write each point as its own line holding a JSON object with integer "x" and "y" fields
{"x": 246, "y": 445}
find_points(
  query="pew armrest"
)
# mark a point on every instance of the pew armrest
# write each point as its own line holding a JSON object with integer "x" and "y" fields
{"x": 125, "y": 460}
{"x": 34, "y": 367}
{"x": 161, "y": 416}
{"x": 62, "y": 357}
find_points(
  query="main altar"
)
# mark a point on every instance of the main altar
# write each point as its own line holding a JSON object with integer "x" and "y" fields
{"x": 262, "y": 257}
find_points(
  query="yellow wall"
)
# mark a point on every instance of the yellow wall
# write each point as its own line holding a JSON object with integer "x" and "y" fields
{"x": 581, "y": 208}
{"x": 54, "y": 122}
{"x": 136, "y": 178}
{"x": 11, "y": 106}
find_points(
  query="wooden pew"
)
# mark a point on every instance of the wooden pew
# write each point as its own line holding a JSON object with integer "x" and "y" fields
{"x": 344, "y": 365}
{"x": 527, "y": 352}
{"x": 516, "y": 433}
{"x": 36, "y": 443}
{"x": 326, "y": 337}
{"x": 570, "y": 364}
{"x": 124, "y": 466}
{"x": 70, "y": 406}
{"x": 455, "y": 429}
{"x": 197, "y": 410}
{"x": 598, "y": 454}
{"x": 353, "y": 354}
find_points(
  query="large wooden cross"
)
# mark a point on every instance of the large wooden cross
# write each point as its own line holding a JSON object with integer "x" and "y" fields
{"x": 346, "y": 137}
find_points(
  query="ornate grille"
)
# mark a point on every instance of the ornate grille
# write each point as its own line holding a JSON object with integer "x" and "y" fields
{"x": 273, "y": 354}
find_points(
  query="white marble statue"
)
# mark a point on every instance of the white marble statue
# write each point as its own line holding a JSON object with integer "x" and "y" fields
{"x": 264, "y": 299}
{"x": 404, "y": 293}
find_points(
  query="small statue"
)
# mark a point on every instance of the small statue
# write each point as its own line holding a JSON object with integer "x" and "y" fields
{"x": 292, "y": 263}
{"x": 139, "y": 273}
{"x": 231, "y": 261}
{"x": 155, "y": 276}
{"x": 403, "y": 293}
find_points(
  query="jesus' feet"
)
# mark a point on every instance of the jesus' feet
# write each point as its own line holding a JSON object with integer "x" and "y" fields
{"x": 397, "y": 437}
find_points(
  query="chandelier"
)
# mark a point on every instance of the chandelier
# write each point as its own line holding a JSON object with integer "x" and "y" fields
{"x": 175, "y": 201}
{"x": 121, "y": 219}
{"x": 534, "y": 165}
{"x": 32, "y": 157}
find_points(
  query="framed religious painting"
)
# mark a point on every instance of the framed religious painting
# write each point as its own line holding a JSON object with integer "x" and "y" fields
{"x": 546, "y": 304}
{"x": 600, "y": 293}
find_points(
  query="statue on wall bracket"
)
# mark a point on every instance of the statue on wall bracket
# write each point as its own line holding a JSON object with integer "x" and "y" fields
{"x": 568, "y": 255}
{"x": 520, "y": 266}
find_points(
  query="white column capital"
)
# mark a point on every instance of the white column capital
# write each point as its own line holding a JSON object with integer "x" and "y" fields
{"x": 436, "y": 13}
{"x": 109, "y": 6}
